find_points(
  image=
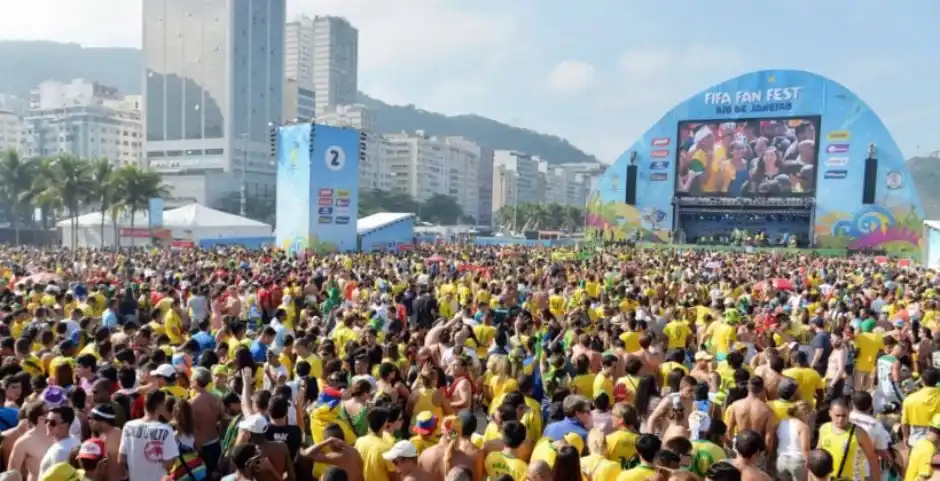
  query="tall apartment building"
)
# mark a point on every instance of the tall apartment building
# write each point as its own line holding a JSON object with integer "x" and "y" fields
{"x": 485, "y": 178}
{"x": 373, "y": 170}
{"x": 515, "y": 178}
{"x": 11, "y": 131}
{"x": 298, "y": 51}
{"x": 213, "y": 86}
{"x": 299, "y": 102}
{"x": 335, "y": 61}
{"x": 422, "y": 166}
{"x": 82, "y": 119}
{"x": 564, "y": 186}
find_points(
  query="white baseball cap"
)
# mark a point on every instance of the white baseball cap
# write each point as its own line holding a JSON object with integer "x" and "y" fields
{"x": 165, "y": 370}
{"x": 401, "y": 449}
{"x": 255, "y": 423}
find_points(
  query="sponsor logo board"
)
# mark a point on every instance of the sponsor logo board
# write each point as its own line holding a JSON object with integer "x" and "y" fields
{"x": 342, "y": 220}
{"x": 837, "y": 148}
{"x": 661, "y": 142}
{"x": 325, "y": 201}
{"x": 659, "y": 154}
{"x": 342, "y": 193}
{"x": 325, "y": 211}
{"x": 836, "y": 174}
{"x": 659, "y": 165}
{"x": 324, "y": 219}
{"x": 342, "y": 202}
{"x": 837, "y": 161}
{"x": 658, "y": 176}
{"x": 326, "y": 192}
{"x": 837, "y": 135}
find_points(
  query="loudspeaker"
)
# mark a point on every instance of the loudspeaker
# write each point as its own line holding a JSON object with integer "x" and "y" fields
{"x": 631, "y": 185}
{"x": 871, "y": 181}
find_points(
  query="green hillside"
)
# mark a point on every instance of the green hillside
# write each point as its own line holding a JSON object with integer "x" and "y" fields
{"x": 26, "y": 64}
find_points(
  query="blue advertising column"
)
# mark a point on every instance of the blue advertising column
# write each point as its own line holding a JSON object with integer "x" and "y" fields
{"x": 334, "y": 188}
{"x": 292, "y": 213}
{"x": 317, "y": 188}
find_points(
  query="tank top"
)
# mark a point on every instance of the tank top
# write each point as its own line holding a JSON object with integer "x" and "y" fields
{"x": 425, "y": 402}
{"x": 835, "y": 444}
{"x": 788, "y": 438}
{"x": 885, "y": 384}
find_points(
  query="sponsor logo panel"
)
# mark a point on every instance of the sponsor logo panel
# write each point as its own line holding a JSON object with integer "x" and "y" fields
{"x": 325, "y": 211}
{"x": 659, "y": 154}
{"x": 342, "y": 202}
{"x": 342, "y": 193}
{"x": 342, "y": 220}
{"x": 838, "y": 135}
{"x": 837, "y": 148}
{"x": 659, "y": 165}
{"x": 325, "y": 201}
{"x": 326, "y": 192}
{"x": 661, "y": 142}
{"x": 324, "y": 219}
{"x": 837, "y": 161}
{"x": 836, "y": 174}
{"x": 658, "y": 176}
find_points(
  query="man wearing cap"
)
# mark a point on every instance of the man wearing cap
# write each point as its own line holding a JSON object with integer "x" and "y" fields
{"x": 404, "y": 456}
{"x": 165, "y": 377}
{"x": 868, "y": 344}
{"x": 256, "y": 425}
{"x": 93, "y": 457}
{"x": 102, "y": 422}
{"x": 63, "y": 472}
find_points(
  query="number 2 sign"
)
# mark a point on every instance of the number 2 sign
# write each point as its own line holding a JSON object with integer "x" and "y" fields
{"x": 335, "y": 158}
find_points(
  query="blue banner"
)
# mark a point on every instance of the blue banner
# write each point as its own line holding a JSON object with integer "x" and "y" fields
{"x": 293, "y": 187}
{"x": 334, "y": 188}
{"x": 155, "y": 213}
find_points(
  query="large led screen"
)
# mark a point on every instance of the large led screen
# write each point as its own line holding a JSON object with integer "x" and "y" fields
{"x": 761, "y": 157}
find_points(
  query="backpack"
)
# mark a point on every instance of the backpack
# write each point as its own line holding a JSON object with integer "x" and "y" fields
{"x": 188, "y": 466}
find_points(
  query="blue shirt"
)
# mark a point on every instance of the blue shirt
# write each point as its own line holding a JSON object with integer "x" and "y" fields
{"x": 9, "y": 417}
{"x": 557, "y": 430}
{"x": 259, "y": 351}
{"x": 205, "y": 341}
{"x": 109, "y": 319}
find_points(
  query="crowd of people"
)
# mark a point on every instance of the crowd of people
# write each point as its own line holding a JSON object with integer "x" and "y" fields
{"x": 465, "y": 363}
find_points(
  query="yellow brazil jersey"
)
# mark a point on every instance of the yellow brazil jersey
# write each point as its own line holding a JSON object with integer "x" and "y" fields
{"x": 32, "y": 365}
{"x": 603, "y": 384}
{"x": 918, "y": 409}
{"x": 174, "y": 327}
{"x": 834, "y": 444}
{"x": 722, "y": 337}
{"x": 498, "y": 463}
{"x": 868, "y": 344}
{"x": 919, "y": 459}
{"x": 599, "y": 468}
{"x": 500, "y": 385}
{"x": 374, "y": 466}
{"x": 631, "y": 341}
{"x": 485, "y": 334}
{"x": 583, "y": 384}
{"x": 556, "y": 305}
{"x": 176, "y": 391}
{"x": 717, "y": 170}
{"x": 593, "y": 289}
{"x": 341, "y": 336}
{"x": 621, "y": 447}
{"x": 639, "y": 473}
{"x": 780, "y": 408}
{"x": 677, "y": 333}
{"x": 808, "y": 381}
{"x": 544, "y": 451}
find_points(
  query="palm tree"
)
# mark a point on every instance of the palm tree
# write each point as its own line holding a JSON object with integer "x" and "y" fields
{"x": 16, "y": 180}
{"x": 135, "y": 187}
{"x": 573, "y": 218}
{"x": 71, "y": 182}
{"x": 103, "y": 192}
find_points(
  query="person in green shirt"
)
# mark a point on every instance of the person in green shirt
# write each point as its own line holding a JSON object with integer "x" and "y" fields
{"x": 647, "y": 445}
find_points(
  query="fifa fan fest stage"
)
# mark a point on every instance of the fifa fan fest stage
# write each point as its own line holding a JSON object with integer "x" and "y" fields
{"x": 770, "y": 158}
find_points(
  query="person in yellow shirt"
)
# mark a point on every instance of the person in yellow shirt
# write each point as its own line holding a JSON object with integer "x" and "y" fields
{"x": 621, "y": 444}
{"x": 373, "y": 446}
{"x": 583, "y": 382}
{"x": 677, "y": 332}
{"x": 596, "y": 465}
{"x": 647, "y": 445}
{"x": 425, "y": 431}
{"x": 173, "y": 323}
{"x": 556, "y": 304}
{"x": 919, "y": 408}
{"x": 506, "y": 461}
{"x": 404, "y": 456}
{"x": 809, "y": 383}
{"x": 868, "y": 343}
{"x": 922, "y": 452}
{"x": 604, "y": 380}
{"x": 845, "y": 443}
{"x": 721, "y": 336}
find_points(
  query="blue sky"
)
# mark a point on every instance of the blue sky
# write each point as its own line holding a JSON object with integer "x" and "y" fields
{"x": 597, "y": 72}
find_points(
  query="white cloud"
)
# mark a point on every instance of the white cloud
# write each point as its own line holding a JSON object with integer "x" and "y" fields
{"x": 570, "y": 76}
{"x": 91, "y": 23}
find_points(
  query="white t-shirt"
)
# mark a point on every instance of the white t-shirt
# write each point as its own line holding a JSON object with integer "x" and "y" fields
{"x": 147, "y": 444}
{"x": 58, "y": 453}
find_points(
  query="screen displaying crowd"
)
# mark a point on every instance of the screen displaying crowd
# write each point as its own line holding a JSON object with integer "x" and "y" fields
{"x": 755, "y": 157}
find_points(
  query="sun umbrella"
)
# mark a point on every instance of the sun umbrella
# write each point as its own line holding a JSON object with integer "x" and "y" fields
{"x": 436, "y": 258}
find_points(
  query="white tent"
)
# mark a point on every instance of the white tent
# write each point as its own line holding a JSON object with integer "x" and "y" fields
{"x": 193, "y": 222}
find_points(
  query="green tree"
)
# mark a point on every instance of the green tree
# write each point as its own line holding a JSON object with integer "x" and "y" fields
{"x": 103, "y": 192}
{"x": 441, "y": 209}
{"x": 374, "y": 201}
{"x": 573, "y": 219}
{"x": 16, "y": 180}
{"x": 135, "y": 188}
{"x": 72, "y": 183}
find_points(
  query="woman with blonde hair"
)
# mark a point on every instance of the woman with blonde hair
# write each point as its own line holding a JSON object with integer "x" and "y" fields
{"x": 793, "y": 441}
{"x": 596, "y": 466}
{"x": 455, "y": 448}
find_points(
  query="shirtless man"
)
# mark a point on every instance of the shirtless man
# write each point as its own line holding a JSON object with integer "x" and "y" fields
{"x": 102, "y": 420}
{"x": 404, "y": 456}
{"x": 10, "y": 436}
{"x": 465, "y": 454}
{"x": 207, "y": 414}
{"x": 333, "y": 451}
{"x": 701, "y": 371}
{"x": 651, "y": 360}
{"x": 771, "y": 372}
{"x": 29, "y": 449}
{"x": 752, "y": 414}
{"x": 748, "y": 445}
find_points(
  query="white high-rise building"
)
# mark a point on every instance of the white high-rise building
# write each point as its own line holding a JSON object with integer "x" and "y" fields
{"x": 373, "y": 169}
{"x": 11, "y": 131}
{"x": 298, "y": 51}
{"x": 564, "y": 186}
{"x": 335, "y": 61}
{"x": 82, "y": 119}
{"x": 515, "y": 179}
{"x": 422, "y": 166}
{"x": 213, "y": 86}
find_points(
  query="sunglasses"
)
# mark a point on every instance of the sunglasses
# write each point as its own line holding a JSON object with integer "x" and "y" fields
{"x": 51, "y": 422}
